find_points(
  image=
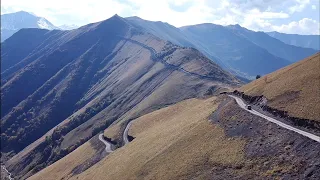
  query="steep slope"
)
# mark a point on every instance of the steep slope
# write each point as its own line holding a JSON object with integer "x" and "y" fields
{"x": 294, "y": 88}
{"x": 79, "y": 82}
{"x": 26, "y": 43}
{"x": 231, "y": 50}
{"x": 272, "y": 45}
{"x": 13, "y": 22}
{"x": 167, "y": 132}
{"x": 307, "y": 41}
{"x": 178, "y": 142}
{"x": 172, "y": 34}
{"x": 162, "y": 30}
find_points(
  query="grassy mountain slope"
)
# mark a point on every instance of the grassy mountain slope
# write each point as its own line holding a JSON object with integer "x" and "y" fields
{"x": 162, "y": 30}
{"x": 77, "y": 83}
{"x": 167, "y": 131}
{"x": 178, "y": 142}
{"x": 294, "y": 88}
{"x": 70, "y": 162}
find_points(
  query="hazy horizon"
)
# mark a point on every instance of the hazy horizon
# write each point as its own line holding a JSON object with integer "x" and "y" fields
{"x": 288, "y": 16}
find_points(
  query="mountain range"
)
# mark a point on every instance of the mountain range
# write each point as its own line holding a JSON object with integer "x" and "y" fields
{"x": 241, "y": 51}
{"x": 62, "y": 90}
{"x": 307, "y": 41}
{"x": 13, "y": 22}
{"x": 78, "y": 82}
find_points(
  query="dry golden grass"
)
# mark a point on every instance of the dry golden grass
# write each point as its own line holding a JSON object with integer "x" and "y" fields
{"x": 295, "y": 88}
{"x": 172, "y": 88}
{"x": 113, "y": 131}
{"x": 176, "y": 142}
{"x": 62, "y": 169}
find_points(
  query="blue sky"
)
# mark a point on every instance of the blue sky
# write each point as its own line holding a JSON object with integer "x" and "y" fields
{"x": 288, "y": 16}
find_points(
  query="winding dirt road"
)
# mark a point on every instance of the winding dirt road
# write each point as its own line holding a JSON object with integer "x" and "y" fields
{"x": 108, "y": 145}
{"x": 125, "y": 133}
{"x": 306, "y": 134}
{"x": 9, "y": 174}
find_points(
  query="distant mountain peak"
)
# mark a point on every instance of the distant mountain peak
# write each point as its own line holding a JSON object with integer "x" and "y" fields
{"x": 116, "y": 16}
{"x": 13, "y": 22}
{"x": 23, "y": 12}
{"x": 235, "y": 26}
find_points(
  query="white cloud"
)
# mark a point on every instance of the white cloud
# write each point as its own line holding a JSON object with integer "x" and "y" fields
{"x": 81, "y": 11}
{"x": 304, "y": 26}
{"x": 314, "y": 7}
{"x": 252, "y": 14}
{"x": 299, "y": 6}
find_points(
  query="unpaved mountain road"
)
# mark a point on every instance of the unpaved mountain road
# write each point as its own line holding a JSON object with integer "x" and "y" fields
{"x": 243, "y": 106}
{"x": 125, "y": 133}
{"x": 108, "y": 145}
{"x": 9, "y": 174}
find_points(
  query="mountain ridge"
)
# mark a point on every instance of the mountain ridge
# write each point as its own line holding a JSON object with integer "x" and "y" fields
{"x": 88, "y": 78}
{"x": 274, "y": 46}
{"x": 181, "y": 36}
{"x": 13, "y": 22}
{"x": 308, "y": 41}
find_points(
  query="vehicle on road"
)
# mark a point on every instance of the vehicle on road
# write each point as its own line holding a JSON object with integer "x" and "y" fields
{"x": 249, "y": 107}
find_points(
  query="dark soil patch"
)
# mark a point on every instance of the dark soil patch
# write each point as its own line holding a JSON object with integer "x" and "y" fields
{"x": 271, "y": 151}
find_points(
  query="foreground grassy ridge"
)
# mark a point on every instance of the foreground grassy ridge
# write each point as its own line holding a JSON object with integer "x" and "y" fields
{"x": 62, "y": 169}
{"x": 176, "y": 142}
{"x": 294, "y": 88}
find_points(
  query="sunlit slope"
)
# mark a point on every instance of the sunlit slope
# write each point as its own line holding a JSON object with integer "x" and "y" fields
{"x": 295, "y": 88}
{"x": 177, "y": 142}
{"x": 64, "y": 167}
{"x": 118, "y": 74}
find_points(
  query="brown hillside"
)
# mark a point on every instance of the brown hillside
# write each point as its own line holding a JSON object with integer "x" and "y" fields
{"x": 179, "y": 138}
{"x": 178, "y": 142}
{"x": 295, "y": 88}
{"x": 113, "y": 73}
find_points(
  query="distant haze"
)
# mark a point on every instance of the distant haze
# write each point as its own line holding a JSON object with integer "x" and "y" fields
{"x": 287, "y": 16}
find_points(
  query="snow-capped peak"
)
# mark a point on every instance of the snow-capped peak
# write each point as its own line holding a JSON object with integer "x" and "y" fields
{"x": 13, "y": 22}
{"x": 44, "y": 24}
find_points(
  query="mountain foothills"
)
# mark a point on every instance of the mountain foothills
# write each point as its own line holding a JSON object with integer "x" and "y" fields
{"x": 210, "y": 138}
{"x": 13, "y": 22}
{"x": 60, "y": 88}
